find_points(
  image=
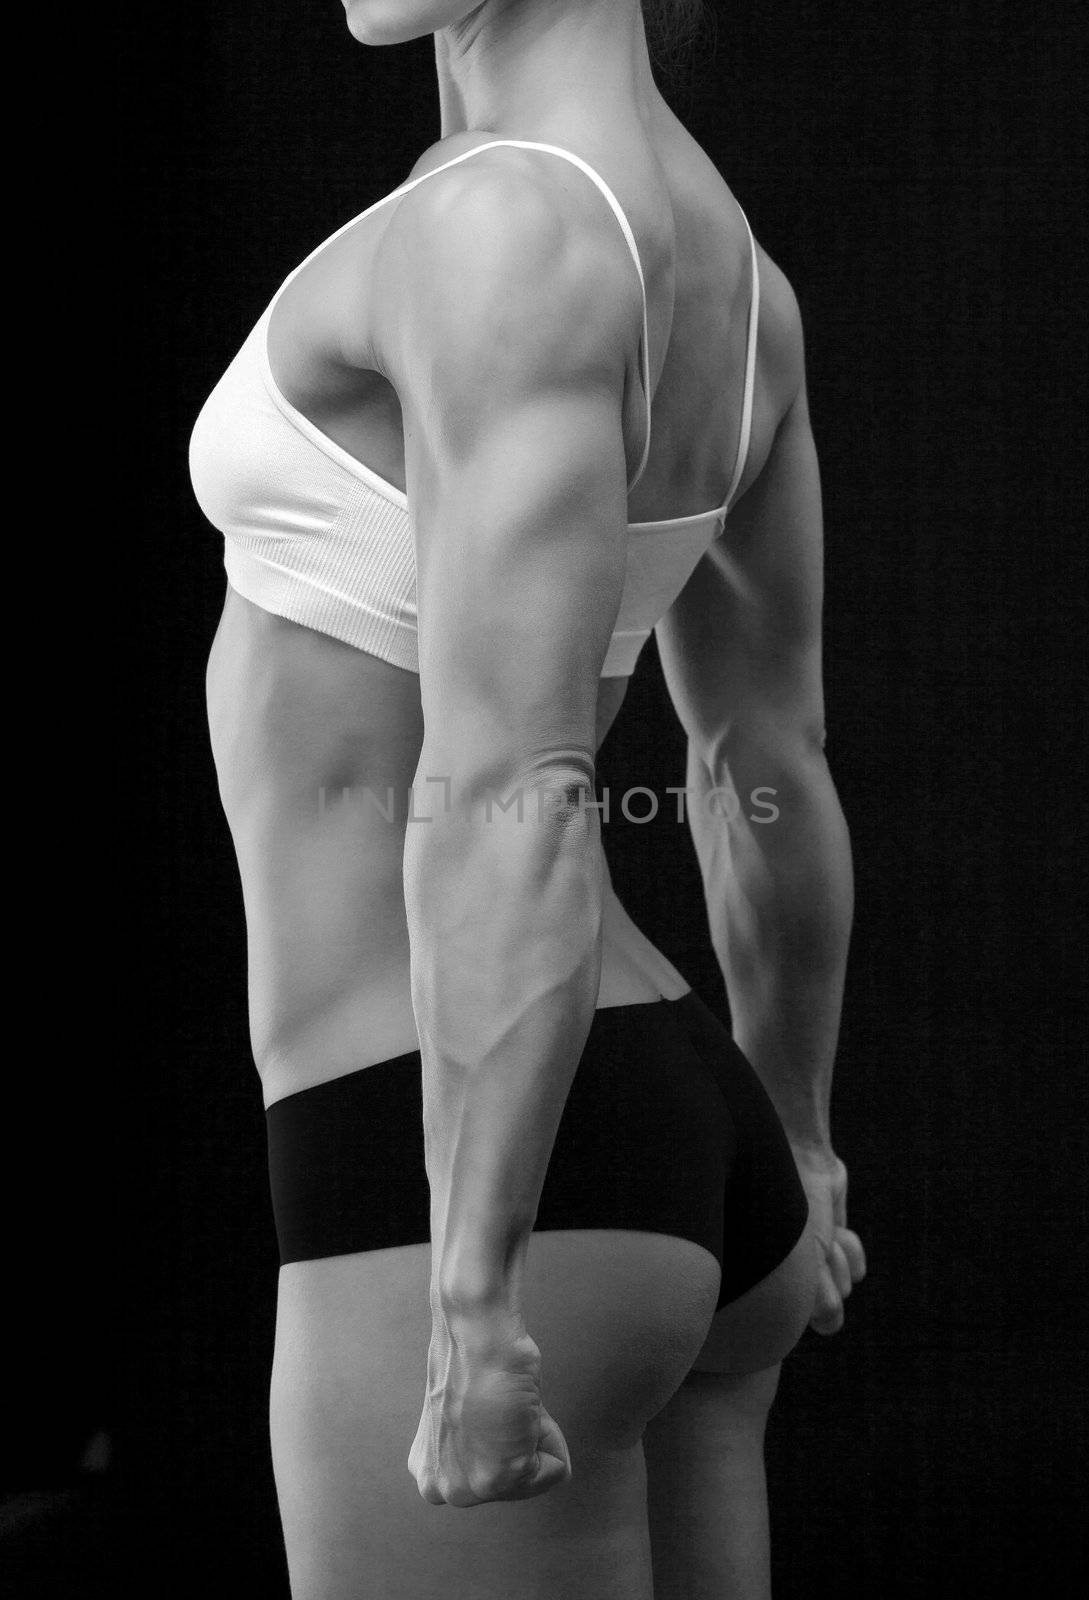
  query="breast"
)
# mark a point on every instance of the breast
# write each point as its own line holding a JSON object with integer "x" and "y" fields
{"x": 253, "y": 475}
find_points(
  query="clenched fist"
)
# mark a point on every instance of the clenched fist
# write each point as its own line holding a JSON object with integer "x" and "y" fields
{"x": 841, "y": 1258}
{"x": 484, "y": 1433}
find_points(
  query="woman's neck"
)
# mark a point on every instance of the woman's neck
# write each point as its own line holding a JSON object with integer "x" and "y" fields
{"x": 518, "y": 67}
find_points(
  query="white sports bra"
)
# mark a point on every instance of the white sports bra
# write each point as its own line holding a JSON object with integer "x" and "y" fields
{"x": 313, "y": 535}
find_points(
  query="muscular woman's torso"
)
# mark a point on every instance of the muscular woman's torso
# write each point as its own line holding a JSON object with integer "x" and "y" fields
{"x": 316, "y": 743}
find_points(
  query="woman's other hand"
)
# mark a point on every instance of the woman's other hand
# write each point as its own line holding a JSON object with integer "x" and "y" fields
{"x": 841, "y": 1258}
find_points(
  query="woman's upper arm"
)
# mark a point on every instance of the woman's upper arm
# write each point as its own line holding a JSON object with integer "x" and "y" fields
{"x": 512, "y": 325}
{"x": 741, "y": 645}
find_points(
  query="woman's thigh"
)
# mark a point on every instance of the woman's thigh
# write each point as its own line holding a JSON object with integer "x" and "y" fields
{"x": 704, "y": 1451}
{"x": 619, "y": 1317}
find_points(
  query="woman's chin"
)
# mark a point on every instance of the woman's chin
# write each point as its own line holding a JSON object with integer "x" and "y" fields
{"x": 378, "y": 22}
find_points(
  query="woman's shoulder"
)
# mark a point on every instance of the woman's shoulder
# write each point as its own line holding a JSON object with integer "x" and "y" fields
{"x": 782, "y": 343}
{"x": 533, "y": 179}
{"x": 508, "y": 232}
{"x": 780, "y": 320}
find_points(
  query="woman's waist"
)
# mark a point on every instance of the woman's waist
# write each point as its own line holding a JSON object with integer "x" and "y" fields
{"x": 342, "y": 1005}
{"x": 315, "y": 908}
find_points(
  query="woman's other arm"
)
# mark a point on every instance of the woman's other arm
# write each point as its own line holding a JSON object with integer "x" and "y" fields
{"x": 507, "y": 348}
{"x": 741, "y": 651}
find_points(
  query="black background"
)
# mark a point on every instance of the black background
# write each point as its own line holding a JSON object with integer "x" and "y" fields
{"x": 918, "y": 173}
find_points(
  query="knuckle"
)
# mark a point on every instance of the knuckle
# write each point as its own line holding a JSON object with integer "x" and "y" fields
{"x": 482, "y": 1482}
{"x": 493, "y": 1482}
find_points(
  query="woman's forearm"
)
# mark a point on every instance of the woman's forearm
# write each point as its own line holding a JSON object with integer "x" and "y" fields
{"x": 779, "y": 884}
{"x": 505, "y": 928}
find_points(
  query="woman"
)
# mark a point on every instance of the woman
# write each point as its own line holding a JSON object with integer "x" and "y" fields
{"x": 449, "y": 531}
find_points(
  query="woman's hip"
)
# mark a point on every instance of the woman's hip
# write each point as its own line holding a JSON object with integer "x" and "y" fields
{"x": 666, "y": 1130}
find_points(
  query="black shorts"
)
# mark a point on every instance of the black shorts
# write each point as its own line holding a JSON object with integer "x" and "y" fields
{"x": 667, "y": 1129}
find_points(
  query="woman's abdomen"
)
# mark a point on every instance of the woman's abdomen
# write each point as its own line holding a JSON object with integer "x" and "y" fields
{"x": 316, "y": 746}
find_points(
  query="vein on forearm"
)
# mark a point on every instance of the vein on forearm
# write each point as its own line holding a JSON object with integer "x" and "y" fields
{"x": 505, "y": 921}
